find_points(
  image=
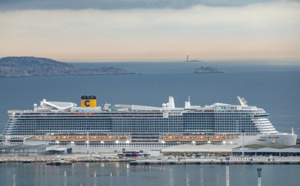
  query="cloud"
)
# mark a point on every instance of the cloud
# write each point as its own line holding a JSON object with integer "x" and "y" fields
{"x": 122, "y": 4}
{"x": 255, "y": 31}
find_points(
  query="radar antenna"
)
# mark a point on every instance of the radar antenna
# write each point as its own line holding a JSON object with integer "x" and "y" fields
{"x": 242, "y": 101}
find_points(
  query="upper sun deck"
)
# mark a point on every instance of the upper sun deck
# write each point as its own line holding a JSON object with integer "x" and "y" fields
{"x": 69, "y": 107}
{"x": 228, "y": 107}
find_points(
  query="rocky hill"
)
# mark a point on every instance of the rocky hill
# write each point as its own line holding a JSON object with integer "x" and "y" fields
{"x": 34, "y": 66}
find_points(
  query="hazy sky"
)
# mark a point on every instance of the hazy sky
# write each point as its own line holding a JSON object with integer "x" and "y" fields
{"x": 94, "y": 30}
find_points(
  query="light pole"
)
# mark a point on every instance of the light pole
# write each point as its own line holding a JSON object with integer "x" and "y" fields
{"x": 227, "y": 171}
{"x": 259, "y": 176}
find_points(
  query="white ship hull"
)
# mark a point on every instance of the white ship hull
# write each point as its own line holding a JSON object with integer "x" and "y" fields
{"x": 134, "y": 127}
{"x": 268, "y": 140}
{"x": 280, "y": 139}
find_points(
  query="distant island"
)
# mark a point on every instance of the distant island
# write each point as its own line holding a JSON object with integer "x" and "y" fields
{"x": 35, "y": 66}
{"x": 200, "y": 70}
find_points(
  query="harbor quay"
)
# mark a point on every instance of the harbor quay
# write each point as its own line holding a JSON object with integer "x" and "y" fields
{"x": 149, "y": 160}
{"x": 32, "y": 158}
{"x": 184, "y": 154}
{"x": 218, "y": 160}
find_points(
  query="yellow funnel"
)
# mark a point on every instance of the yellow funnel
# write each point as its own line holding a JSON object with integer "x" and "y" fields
{"x": 88, "y": 101}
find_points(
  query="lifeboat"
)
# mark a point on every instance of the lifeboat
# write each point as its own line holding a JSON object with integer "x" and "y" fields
{"x": 200, "y": 138}
{"x": 108, "y": 138}
{"x": 51, "y": 137}
{"x": 216, "y": 138}
{"x": 185, "y": 138}
{"x": 122, "y": 137}
{"x": 38, "y": 137}
{"x": 94, "y": 138}
{"x": 63, "y": 138}
{"x": 170, "y": 138}
{"x": 44, "y": 137}
{"x": 78, "y": 138}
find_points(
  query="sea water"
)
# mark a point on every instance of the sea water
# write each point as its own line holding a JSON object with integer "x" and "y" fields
{"x": 274, "y": 87}
{"x": 111, "y": 174}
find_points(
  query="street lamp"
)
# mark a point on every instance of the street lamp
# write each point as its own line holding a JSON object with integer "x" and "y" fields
{"x": 227, "y": 171}
{"x": 259, "y": 176}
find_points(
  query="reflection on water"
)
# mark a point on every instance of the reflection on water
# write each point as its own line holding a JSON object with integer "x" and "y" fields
{"x": 125, "y": 174}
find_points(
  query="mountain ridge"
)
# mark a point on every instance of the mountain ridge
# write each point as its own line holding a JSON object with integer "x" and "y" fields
{"x": 28, "y": 66}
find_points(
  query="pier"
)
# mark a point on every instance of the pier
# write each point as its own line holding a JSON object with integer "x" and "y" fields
{"x": 160, "y": 160}
{"x": 233, "y": 160}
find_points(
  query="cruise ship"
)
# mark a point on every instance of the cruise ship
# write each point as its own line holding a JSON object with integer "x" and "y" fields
{"x": 108, "y": 128}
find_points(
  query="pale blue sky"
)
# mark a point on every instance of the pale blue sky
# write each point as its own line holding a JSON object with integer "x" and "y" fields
{"x": 150, "y": 30}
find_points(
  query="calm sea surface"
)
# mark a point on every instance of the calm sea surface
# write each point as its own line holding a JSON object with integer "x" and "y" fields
{"x": 276, "y": 88}
{"x": 111, "y": 174}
